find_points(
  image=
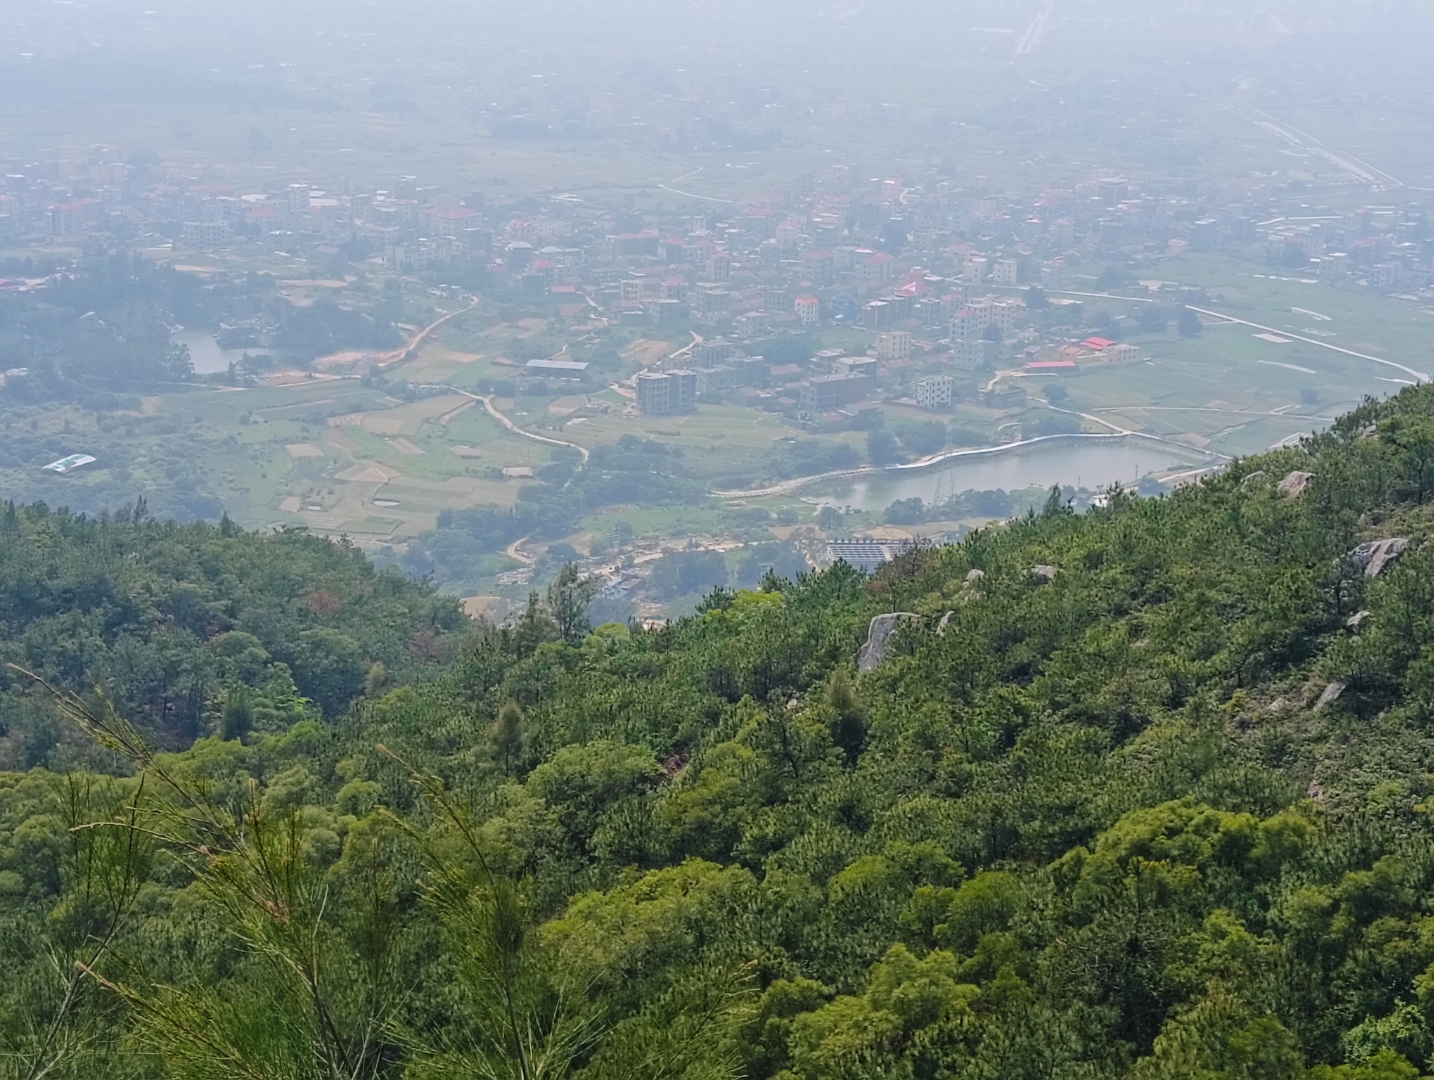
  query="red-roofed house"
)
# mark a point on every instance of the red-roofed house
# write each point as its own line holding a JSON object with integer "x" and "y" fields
{"x": 439, "y": 222}
{"x": 1097, "y": 343}
{"x": 878, "y": 267}
{"x": 820, "y": 265}
{"x": 69, "y": 219}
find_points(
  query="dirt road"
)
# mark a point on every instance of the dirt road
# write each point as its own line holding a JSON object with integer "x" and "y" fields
{"x": 393, "y": 357}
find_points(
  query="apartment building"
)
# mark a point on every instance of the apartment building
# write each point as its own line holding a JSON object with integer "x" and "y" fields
{"x": 935, "y": 391}
{"x": 893, "y": 345}
{"x": 664, "y": 393}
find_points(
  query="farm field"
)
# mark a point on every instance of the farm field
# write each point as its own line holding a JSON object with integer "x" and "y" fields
{"x": 1232, "y": 389}
{"x": 365, "y": 459}
{"x": 331, "y": 455}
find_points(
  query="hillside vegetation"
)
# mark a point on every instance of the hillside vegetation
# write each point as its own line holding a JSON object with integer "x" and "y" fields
{"x": 195, "y": 629}
{"x": 1139, "y": 793}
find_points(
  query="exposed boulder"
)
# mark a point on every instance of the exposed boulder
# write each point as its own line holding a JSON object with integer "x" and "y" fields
{"x": 1358, "y": 619}
{"x": 873, "y": 651}
{"x": 1047, "y": 572}
{"x": 1377, "y": 555}
{"x": 941, "y": 626}
{"x": 1256, "y": 477}
{"x": 1330, "y": 695}
{"x": 1293, "y": 485}
{"x": 973, "y": 577}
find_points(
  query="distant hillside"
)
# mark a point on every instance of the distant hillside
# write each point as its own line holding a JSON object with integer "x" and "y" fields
{"x": 177, "y": 623}
{"x": 1135, "y": 794}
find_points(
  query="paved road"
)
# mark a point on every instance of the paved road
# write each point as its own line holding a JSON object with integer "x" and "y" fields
{"x": 487, "y": 401}
{"x": 1028, "y": 42}
{"x": 384, "y": 359}
{"x": 514, "y": 550}
{"x": 1419, "y": 376}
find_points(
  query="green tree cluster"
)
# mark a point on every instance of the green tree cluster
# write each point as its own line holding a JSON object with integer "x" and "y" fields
{"x": 1137, "y": 793}
{"x": 192, "y": 629}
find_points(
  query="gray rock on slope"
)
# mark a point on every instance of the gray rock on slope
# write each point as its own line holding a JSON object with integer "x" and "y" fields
{"x": 873, "y": 651}
{"x": 1293, "y": 485}
{"x": 971, "y": 587}
{"x": 1331, "y": 695}
{"x": 1377, "y": 555}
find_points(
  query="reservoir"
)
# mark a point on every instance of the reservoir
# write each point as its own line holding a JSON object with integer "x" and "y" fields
{"x": 1077, "y": 462}
{"x": 209, "y": 358}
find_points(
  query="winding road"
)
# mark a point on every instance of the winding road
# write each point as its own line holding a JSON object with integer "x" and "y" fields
{"x": 689, "y": 194}
{"x": 394, "y": 356}
{"x": 1419, "y": 376}
{"x": 514, "y": 550}
{"x": 487, "y": 401}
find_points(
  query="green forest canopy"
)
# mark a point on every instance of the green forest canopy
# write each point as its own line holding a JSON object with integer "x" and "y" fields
{"x": 1158, "y": 810}
{"x": 176, "y": 622}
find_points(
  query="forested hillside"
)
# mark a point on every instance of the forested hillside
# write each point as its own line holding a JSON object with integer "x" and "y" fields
{"x": 1139, "y": 793}
{"x": 195, "y": 630}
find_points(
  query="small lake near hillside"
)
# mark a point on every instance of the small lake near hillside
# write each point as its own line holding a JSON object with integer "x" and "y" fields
{"x": 209, "y": 358}
{"x": 1077, "y": 462}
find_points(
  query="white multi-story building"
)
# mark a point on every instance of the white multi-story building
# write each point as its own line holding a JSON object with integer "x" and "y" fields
{"x": 837, "y": 177}
{"x": 206, "y": 234}
{"x": 934, "y": 391}
{"x": 968, "y": 354}
{"x": 1004, "y": 272}
{"x": 1385, "y": 275}
{"x": 878, "y": 267}
{"x": 893, "y": 345}
{"x": 1005, "y": 314}
{"x": 662, "y": 393}
{"x": 809, "y": 310}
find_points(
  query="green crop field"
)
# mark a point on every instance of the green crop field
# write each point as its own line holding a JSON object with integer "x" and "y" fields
{"x": 342, "y": 458}
{"x": 1234, "y": 392}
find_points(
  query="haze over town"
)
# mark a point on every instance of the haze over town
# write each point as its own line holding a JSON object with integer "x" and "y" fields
{"x": 684, "y": 292}
{"x": 716, "y": 540}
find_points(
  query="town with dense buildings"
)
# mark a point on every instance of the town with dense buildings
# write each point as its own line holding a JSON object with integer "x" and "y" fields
{"x": 830, "y": 304}
{"x": 717, "y": 540}
{"x": 953, "y": 284}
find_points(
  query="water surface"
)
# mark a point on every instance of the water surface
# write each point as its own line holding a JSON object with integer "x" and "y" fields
{"x": 1088, "y": 463}
{"x": 209, "y": 358}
